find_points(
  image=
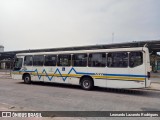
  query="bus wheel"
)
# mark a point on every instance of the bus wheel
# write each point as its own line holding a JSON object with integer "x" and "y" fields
{"x": 27, "y": 79}
{"x": 87, "y": 83}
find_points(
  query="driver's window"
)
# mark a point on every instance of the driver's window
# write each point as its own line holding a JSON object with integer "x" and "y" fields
{"x": 18, "y": 63}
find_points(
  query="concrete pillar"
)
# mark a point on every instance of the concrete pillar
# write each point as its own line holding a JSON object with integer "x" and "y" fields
{"x": 3, "y": 65}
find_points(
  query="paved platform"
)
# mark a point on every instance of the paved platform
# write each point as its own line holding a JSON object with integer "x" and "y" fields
{"x": 154, "y": 86}
{"x": 155, "y": 75}
{"x": 155, "y": 81}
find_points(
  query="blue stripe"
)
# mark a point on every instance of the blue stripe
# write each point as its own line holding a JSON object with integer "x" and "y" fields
{"x": 82, "y": 73}
{"x": 127, "y": 75}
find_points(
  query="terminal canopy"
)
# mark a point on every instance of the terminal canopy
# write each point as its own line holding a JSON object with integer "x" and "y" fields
{"x": 153, "y": 45}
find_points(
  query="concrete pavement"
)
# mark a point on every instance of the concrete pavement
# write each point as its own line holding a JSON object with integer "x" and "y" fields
{"x": 155, "y": 81}
{"x": 154, "y": 86}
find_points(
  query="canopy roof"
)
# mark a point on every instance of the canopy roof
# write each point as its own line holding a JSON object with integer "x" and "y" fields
{"x": 153, "y": 45}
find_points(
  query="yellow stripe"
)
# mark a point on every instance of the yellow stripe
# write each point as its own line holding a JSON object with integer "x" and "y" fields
{"x": 117, "y": 78}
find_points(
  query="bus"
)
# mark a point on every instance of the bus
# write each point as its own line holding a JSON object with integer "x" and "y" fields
{"x": 119, "y": 68}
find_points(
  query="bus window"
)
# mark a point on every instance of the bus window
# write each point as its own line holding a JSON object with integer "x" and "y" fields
{"x": 117, "y": 59}
{"x": 50, "y": 60}
{"x": 79, "y": 60}
{"x": 97, "y": 60}
{"x": 28, "y": 60}
{"x": 135, "y": 59}
{"x": 64, "y": 60}
{"x": 18, "y": 63}
{"x": 38, "y": 60}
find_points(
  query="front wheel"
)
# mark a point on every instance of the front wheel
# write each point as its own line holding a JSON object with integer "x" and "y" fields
{"x": 27, "y": 79}
{"x": 87, "y": 83}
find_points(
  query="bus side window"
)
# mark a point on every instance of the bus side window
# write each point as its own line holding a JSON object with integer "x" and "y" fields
{"x": 38, "y": 60}
{"x": 50, "y": 60}
{"x": 117, "y": 59}
{"x": 97, "y": 60}
{"x": 28, "y": 60}
{"x": 79, "y": 60}
{"x": 64, "y": 60}
{"x": 135, "y": 59}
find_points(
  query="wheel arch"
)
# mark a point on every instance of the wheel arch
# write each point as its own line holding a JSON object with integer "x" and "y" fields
{"x": 86, "y": 76}
{"x": 25, "y": 75}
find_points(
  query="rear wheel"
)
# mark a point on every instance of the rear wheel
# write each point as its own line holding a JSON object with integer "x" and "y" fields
{"x": 27, "y": 79}
{"x": 87, "y": 83}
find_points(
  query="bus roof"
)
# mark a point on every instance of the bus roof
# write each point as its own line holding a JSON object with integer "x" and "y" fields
{"x": 86, "y": 51}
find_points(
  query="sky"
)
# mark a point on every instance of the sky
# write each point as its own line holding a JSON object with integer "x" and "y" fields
{"x": 36, "y": 24}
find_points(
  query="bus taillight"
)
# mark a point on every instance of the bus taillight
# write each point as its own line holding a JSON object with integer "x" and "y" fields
{"x": 148, "y": 74}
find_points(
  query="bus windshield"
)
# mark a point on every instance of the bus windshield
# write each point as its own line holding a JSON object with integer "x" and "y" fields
{"x": 18, "y": 63}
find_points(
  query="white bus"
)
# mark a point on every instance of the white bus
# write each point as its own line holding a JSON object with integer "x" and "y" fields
{"x": 112, "y": 68}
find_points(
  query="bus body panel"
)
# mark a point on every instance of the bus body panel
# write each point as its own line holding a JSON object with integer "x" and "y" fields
{"x": 61, "y": 74}
{"x": 49, "y": 74}
{"x": 100, "y": 82}
{"x": 75, "y": 74}
{"x": 38, "y": 74}
{"x": 147, "y": 67}
{"x": 16, "y": 76}
{"x": 118, "y": 74}
{"x": 125, "y": 84}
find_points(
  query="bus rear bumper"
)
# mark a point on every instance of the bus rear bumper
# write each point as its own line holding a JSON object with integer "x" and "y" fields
{"x": 16, "y": 77}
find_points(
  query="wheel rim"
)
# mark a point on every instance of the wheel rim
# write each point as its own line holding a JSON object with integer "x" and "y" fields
{"x": 27, "y": 79}
{"x": 86, "y": 84}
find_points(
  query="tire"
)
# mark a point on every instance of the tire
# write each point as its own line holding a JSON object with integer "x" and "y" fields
{"x": 87, "y": 83}
{"x": 27, "y": 79}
